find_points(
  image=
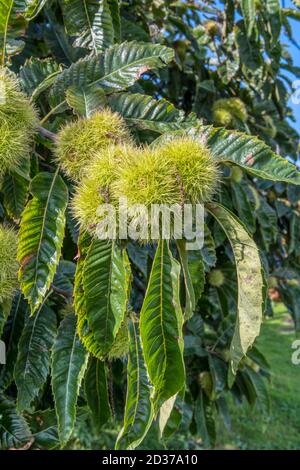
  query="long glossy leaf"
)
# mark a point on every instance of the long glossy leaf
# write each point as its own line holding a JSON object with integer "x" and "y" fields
{"x": 11, "y": 335}
{"x": 138, "y": 409}
{"x": 261, "y": 389}
{"x": 69, "y": 361}
{"x": 244, "y": 204}
{"x": 37, "y": 75}
{"x": 33, "y": 8}
{"x": 84, "y": 331}
{"x": 14, "y": 431}
{"x": 33, "y": 360}
{"x": 90, "y": 22}
{"x": 273, "y": 8}
{"x": 41, "y": 236}
{"x": 85, "y": 101}
{"x": 205, "y": 420}
{"x": 114, "y": 6}
{"x": 250, "y": 283}
{"x": 15, "y": 188}
{"x": 250, "y": 153}
{"x": 106, "y": 287}
{"x": 43, "y": 425}
{"x": 190, "y": 298}
{"x": 249, "y": 10}
{"x": 148, "y": 113}
{"x": 170, "y": 416}
{"x": 161, "y": 327}
{"x": 96, "y": 392}
{"x": 116, "y": 69}
{"x": 197, "y": 273}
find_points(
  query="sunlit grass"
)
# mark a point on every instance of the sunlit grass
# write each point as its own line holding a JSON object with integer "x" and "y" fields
{"x": 280, "y": 430}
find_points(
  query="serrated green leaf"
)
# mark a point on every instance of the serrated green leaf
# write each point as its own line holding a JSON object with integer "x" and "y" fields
{"x": 138, "y": 408}
{"x": 204, "y": 419}
{"x": 38, "y": 75}
{"x": 15, "y": 188}
{"x": 69, "y": 361}
{"x": 268, "y": 227}
{"x": 106, "y": 280}
{"x": 114, "y": 6}
{"x": 116, "y": 69}
{"x": 33, "y": 8}
{"x": 244, "y": 203}
{"x": 161, "y": 327}
{"x": 14, "y": 431}
{"x": 273, "y": 8}
{"x": 33, "y": 360}
{"x": 41, "y": 236}
{"x": 251, "y": 154}
{"x": 194, "y": 277}
{"x": 248, "y": 8}
{"x": 85, "y": 101}
{"x": 218, "y": 370}
{"x": 261, "y": 390}
{"x": 96, "y": 392}
{"x": 85, "y": 334}
{"x": 294, "y": 242}
{"x": 90, "y": 22}
{"x": 170, "y": 417}
{"x": 147, "y": 113}
{"x": 250, "y": 283}
{"x": 12, "y": 332}
{"x": 43, "y": 425}
{"x": 197, "y": 272}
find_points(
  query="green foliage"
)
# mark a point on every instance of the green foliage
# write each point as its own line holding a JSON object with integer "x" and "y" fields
{"x": 161, "y": 327}
{"x": 118, "y": 68}
{"x": 106, "y": 278}
{"x": 33, "y": 360}
{"x": 69, "y": 361}
{"x": 91, "y": 23}
{"x": 96, "y": 392}
{"x": 15, "y": 432}
{"x": 146, "y": 84}
{"x": 41, "y": 236}
{"x": 250, "y": 284}
{"x": 138, "y": 414}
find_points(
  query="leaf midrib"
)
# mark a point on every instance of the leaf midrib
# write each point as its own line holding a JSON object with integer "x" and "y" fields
{"x": 6, "y": 29}
{"x": 89, "y": 25}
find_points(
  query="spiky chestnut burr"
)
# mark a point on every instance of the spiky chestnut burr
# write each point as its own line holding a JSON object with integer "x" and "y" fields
{"x": 80, "y": 141}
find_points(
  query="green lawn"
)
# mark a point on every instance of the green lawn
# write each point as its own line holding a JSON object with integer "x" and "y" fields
{"x": 280, "y": 430}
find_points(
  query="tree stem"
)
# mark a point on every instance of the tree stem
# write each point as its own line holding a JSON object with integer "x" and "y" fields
{"x": 48, "y": 134}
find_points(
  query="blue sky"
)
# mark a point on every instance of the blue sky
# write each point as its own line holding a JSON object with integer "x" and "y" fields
{"x": 295, "y": 52}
